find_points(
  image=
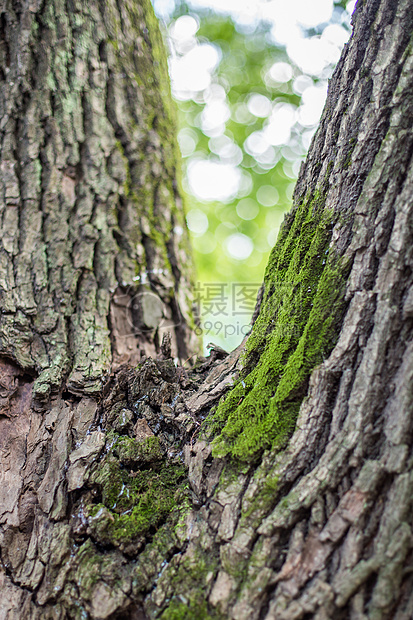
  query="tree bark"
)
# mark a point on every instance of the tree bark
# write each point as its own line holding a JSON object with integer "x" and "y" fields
{"x": 296, "y": 500}
{"x": 92, "y": 218}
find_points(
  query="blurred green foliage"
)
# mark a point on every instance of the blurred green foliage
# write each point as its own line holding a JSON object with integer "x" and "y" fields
{"x": 250, "y": 121}
{"x": 244, "y": 61}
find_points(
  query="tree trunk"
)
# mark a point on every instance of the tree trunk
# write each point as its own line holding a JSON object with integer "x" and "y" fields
{"x": 296, "y": 500}
{"x": 92, "y": 219}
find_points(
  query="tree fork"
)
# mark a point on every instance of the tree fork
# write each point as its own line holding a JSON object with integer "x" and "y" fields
{"x": 296, "y": 497}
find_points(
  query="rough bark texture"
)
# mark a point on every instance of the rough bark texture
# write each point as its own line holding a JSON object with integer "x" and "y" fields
{"x": 296, "y": 501}
{"x": 92, "y": 222}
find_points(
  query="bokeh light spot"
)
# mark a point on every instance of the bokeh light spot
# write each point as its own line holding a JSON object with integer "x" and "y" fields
{"x": 312, "y": 104}
{"x": 184, "y": 27}
{"x": 239, "y": 246}
{"x": 247, "y": 209}
{"x": 197, "y": 221}
{"x": 187, "y": 139}
{"x": 267, "y": 195}
{"x": 259, "y": 105}
{"x": 280, "y": 72}
{"x": 210, "y": 180}
{"x": 206, "y": 244}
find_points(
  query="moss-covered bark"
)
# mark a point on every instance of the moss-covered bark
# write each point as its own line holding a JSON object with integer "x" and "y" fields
{"x": 297, "y": 327}
{"x": 275, "y": 482}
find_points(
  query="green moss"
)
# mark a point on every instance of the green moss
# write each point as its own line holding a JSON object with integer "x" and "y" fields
{"x": 263, "y": 500}
{"x": 296, "y": 329}
{"x": 130, "y": 451}
{"x": 153, "y": 67}
{"x": 114, "y": 44}
{"x": 186, "y": 586}
{"x": 151, "y": 560}
{"x": 178, "y": 610}
{"x": 347, "y": 160}
{"x": 134, "y": 502}
{"x": 89, "y": 567}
